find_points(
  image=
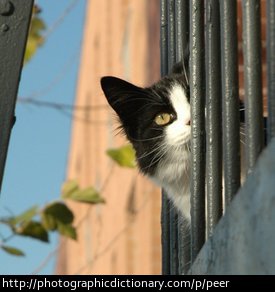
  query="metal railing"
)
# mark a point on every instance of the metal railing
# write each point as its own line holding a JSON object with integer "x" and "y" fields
{"x": 210, "y": 29}
{"x": 15, "y": 16}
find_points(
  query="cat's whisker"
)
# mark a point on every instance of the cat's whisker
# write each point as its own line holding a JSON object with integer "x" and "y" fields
{"x": 171, "y": 208}
{"x": 156, "y": 93}
{"x": 146, "y": 154}
{"x": 181, "y": 140}
{"x": 185, "y": 75}
{"x": 142, "y": 96}
{"x": 243, "y": 142}
{"x": 157, "y": 129}
{"x": 148, "y": 139}
{"x": 159, "y": 155}
{"x": 242, "y": 126}
{"x": 166, "y": 149}
{"x": 163, "y": 151}
{"x": 151, "y": 152}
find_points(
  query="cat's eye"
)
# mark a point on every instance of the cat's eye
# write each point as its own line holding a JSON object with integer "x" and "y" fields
{"x": 163, "y": 119}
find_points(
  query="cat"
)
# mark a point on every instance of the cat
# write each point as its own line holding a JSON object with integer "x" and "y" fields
{"x": 156, "y": 120}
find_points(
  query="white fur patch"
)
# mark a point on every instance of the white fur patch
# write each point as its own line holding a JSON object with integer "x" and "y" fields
{"x": 173, "y": 170}
{"x": 179, "y": 131}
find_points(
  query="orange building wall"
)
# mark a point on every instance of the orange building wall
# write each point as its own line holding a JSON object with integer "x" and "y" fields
{"x": 123, "y": 235}
{"x": 121, "y": 38}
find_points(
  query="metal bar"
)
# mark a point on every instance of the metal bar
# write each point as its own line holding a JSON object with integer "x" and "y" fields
{"x": 163, "y": 37}
{"x": 174, "y": 258}
{"x": 171, "y": 34}
{"x": 182, "y": 27}
{"x": 270, "y": 47}
{"x": 182, "y": 33}
{"x": 231, "y": 119}
{"x": 252, "y": 81}
{"x": 197, "y": 126}
{"x": 165, "y": 234}
{"x": 173, "y": 213}
{"x": 213, "y": 116}
{"x": 15, "y": 17}
{"x": 184, "y": 245}
{"x": 165, "y": 208}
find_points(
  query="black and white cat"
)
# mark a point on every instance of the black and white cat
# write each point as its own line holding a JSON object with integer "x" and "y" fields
{"x": 156, "y": 120}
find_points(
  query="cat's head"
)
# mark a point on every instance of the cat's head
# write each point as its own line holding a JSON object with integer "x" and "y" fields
{"x": 156, "y": 119}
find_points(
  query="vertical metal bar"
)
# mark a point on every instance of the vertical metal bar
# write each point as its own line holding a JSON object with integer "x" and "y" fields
{"x": 252, "y": 80}
{"x": 15, "y": 17}
{"x": 165, "y": 234}
{"x": 213, "y": 115}
{"x": 171, "y": 34}
{"x": 174, "y": 261}
{"x": 182, "y": 33}
{"x": 270, "y": 47}
{"x": 165, "y": 208}
{"x": 231, "y": 119}
{"x": 182, "y": 27}
{"x": 163, "y": 38}
{"x": 197, "y": 126}
{"x": 174, "y": 258}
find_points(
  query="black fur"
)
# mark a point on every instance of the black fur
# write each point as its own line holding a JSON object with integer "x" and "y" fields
{"x": 137, "y": 107}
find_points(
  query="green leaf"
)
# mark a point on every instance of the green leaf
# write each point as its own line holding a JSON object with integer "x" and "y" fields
{"x": 57, "y": 216}
{"x": 88, "y": 195}
{"x": 22, "y": 218}
{"x": 67, "y": 230}
{"x": 124, "y": 156}
{"x": 48, "y": 222}
{"x": 33, "y": 229}
{"x": 12, "y": 250}
{"x": 56, "y": 213}
{"x": 69, "y": 188}
{"x": 35, "y": 38}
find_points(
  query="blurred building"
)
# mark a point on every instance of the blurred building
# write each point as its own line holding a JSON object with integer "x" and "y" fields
{"x": 121, "y": 38}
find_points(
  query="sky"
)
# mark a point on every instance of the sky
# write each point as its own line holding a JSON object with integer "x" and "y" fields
{"x": 39, "y": 145}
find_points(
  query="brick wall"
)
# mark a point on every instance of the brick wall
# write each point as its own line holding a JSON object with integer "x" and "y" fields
{"x": 123, "y": 235}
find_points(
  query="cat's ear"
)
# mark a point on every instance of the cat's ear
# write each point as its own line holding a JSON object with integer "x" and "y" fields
{"x": 121, "y": 95}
